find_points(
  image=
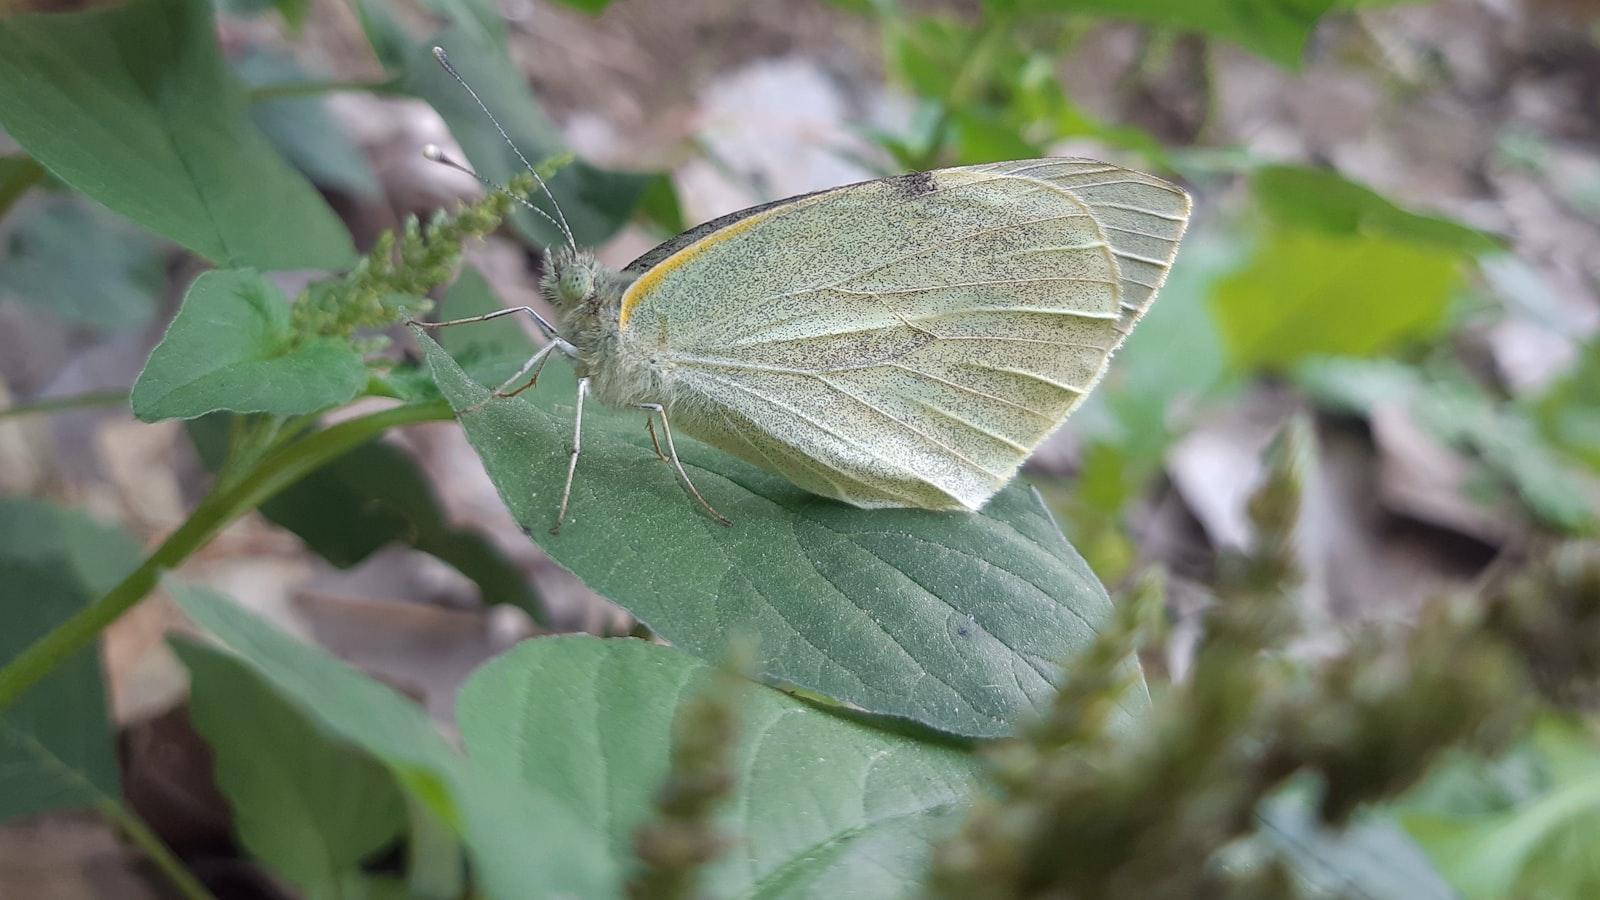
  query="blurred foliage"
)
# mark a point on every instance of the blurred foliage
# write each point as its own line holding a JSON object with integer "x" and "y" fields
{"x": 1448, "y": 404}
{"x": 302, "y": 128}
{"x": 73, "y": 260}
{"x": 1204, "y": 801}
{"x": 1569, "y": 412}
{"x": 1338, "y": 269}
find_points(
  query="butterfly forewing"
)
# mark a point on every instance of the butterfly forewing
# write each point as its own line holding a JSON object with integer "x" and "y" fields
{"x": 908, "y": 341}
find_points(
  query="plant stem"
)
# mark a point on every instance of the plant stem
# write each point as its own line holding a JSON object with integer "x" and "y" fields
{"x": 278, "y": 470}
{"x": 159, "y": 854}
{"x": 56, "y": 404}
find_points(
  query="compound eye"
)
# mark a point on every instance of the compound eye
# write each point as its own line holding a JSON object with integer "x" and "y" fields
{"x": 576, "y": 284}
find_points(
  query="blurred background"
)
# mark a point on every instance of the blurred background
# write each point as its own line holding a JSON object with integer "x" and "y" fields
{"x": 1397, "y": 236}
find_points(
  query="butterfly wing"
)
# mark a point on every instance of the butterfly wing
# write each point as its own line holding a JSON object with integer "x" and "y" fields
{"x": 907, "y": 341}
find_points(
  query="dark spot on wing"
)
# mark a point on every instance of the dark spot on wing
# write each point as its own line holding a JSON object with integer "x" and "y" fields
{"x": 913, "y": 185}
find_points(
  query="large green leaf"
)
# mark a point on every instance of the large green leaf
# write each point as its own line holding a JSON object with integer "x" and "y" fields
{"x": 231, "y": 348}
{"x": 1326, "y": 201}
{"x": 55, "y": 741}
{"x": 819, "y": 800}
{"x": 957, "y": 620}
{"x": 1306, "y": 293}
{"x": 82, "y": 264}
{"x": 523, "y": 838}
{"x": 596, "y": 202}
{"x": 132, "y": 105}
{"x": 311, "y": 807}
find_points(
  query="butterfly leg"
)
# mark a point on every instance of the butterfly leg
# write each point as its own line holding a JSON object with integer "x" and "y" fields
{"x": 672, "y": 450}
{"x": 650, "y": 426}
{"x": 572, "y": 456}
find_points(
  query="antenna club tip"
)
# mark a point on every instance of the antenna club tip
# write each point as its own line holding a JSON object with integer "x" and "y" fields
{"x": 433, "y": 152}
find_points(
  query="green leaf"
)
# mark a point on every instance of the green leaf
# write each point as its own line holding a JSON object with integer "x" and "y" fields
{"x": 391, "y": 42}
{"x": 822, "y": 806}
{"x": 17, "y": 175}
{"x": 309, "y": 806}
{"x": 659, "y": 205}
{"x": 132, "y": 105}
{"x": 1502, "y": 437}
{"x": 370, "y": 497}
{"x": 1569, "y": 412}
{"x": 230, "y": 348}
{"x": 1541, "y": 845}
{"x": 1371, "y": 858}
{"x": 1275, "y": 29}
{"x": 302, "y": 129}
{"x": 292, "y": 11}
{"x": 588, "y": 6}
{"x": 523, "y": 838}
{"x": 55, "y": 742}
{"x": 1307, "y": 293}
{"x": 480, "y": 18}
{"x": 925, "y": 51}
{"x": 956, "y": 620}
{"x": 596, "y": 202}
{"x": 1325, "y": 201}
{"x": 82, "y": 264}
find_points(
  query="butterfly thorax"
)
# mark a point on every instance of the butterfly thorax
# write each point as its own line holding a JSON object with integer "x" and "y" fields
{"x": 588, "y": 298}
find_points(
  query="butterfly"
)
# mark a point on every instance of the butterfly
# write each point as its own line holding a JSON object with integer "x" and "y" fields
{"x": 902, "y": 342}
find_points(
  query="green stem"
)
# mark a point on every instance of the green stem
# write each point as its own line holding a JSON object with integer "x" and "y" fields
{"x": 276, "y": 471}
{"x": 56, "y": 404}
{"x": 289, "y": 90}
{"x": 159, "y": 854}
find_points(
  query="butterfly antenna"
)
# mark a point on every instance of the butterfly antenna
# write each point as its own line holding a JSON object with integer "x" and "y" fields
{"x": 434, "y": 153}
{"x": 444, "y": 61}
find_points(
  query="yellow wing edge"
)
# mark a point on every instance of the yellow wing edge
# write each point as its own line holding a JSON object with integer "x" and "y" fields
{"x": 653, "y": 276}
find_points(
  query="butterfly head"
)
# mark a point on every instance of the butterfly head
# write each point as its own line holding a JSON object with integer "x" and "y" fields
{"x": 571, "y": 277}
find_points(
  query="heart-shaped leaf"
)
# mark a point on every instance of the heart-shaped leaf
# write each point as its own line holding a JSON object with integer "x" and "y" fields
{"x": 131, "y": 104}
{"x": 231, "y": 348}
{"x": 819, "y": 801}
{"x": 956, "y": 620}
